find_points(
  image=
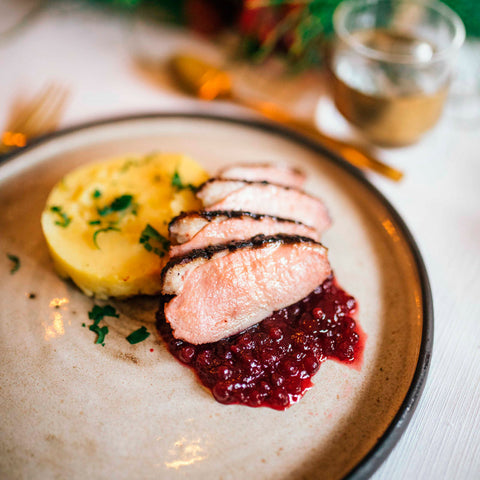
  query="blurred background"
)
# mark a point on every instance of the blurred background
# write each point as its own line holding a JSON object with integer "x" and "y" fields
{"x": 292, "y": 29}
{"x": 275, "y": 50}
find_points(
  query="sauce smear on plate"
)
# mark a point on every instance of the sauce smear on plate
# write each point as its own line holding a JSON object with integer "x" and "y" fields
{"x": 271, "y": 363}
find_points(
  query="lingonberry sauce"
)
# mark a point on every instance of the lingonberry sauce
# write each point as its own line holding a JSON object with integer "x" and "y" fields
{"x": 271, "y": 363}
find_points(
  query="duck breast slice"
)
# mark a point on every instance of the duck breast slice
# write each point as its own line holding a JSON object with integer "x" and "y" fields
{"x": 215, "y": 189}
{"x": 233, "y": 226}
{"x": 185, "y": 226}
{"x": 270, "y": 199}
{"x": 279, "y": 174}
{"x": 225, "y": 289}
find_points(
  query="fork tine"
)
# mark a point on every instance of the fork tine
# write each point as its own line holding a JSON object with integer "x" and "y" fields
{"x": 52, "y": 118}
{"x": 42, "y": 108}
{"x": 35, "y": 123}
{"x": 29, "y": 108}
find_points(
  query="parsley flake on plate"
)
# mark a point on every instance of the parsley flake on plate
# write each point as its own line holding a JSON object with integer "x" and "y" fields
{"x": 15, "y": 263}
{"x": 97, "y": 314}
{"x": 138, "y": 335}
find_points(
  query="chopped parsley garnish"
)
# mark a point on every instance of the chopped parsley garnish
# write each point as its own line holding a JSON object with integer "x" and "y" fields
{"x": 64, "y": 218}
{"x": 138, "y": 335}
{"x": 101, "y": 230}
{"x": 179, "y": 185}
{"x": 119, "y": 204}
{"x": 16, "y": 263}
{"x": 96, "y": 194}
{"x": 97, "y": 314}
{"x": 160, "y": 243}
{"x": 100, "y": 331}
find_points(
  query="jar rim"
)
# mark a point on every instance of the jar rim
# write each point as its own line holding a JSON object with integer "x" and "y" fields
{"x": 446, "y": 12}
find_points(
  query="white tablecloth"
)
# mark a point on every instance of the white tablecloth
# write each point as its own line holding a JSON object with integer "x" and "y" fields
{"x": 439, "y": 199}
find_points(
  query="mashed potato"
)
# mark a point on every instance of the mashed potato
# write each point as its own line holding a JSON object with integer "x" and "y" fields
{"x": 106, "y": 223}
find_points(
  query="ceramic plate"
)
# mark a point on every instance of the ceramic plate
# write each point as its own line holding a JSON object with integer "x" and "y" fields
{"x": 73, "y": 409}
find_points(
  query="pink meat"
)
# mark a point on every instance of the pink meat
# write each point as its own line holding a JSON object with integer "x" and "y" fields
{"x": 214, "y": 189}
{"x": 185, "y": 226}
{"x": 237, "y": 286}
{"x": 279, "y": 174}
{"x": 224, "y": 229}
{"x": 270, "y": 199}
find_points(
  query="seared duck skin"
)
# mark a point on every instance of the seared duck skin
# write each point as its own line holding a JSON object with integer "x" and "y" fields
{"x": 195, "y": 230}
{"x": 266, "y": 198}
{"x": 278, "y": 174}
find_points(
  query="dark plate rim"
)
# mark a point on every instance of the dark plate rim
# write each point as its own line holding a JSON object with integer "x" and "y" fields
{"x": 385, "y": 444}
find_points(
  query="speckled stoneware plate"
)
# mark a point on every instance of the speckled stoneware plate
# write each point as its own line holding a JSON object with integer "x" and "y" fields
{"x": 73, "y": 409}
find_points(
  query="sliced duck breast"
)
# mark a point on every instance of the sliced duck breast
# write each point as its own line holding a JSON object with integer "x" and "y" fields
{"x": 225, "y": 289}
{"x": 279, "y": 174}
{"x": 216, "y": 189}
{"x": 269, "y": 199}
{"x": 224, "y": 227}
{"x": 185, "y": 226}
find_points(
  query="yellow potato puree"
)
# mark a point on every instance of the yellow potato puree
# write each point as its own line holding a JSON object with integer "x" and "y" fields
{"x": 106, "y": 223}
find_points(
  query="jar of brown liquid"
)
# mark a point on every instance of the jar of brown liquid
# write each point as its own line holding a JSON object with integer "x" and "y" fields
{"x": 392, "y": 64}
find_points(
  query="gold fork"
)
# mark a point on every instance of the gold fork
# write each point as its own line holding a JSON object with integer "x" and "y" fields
{"x": 31, "y": 118}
